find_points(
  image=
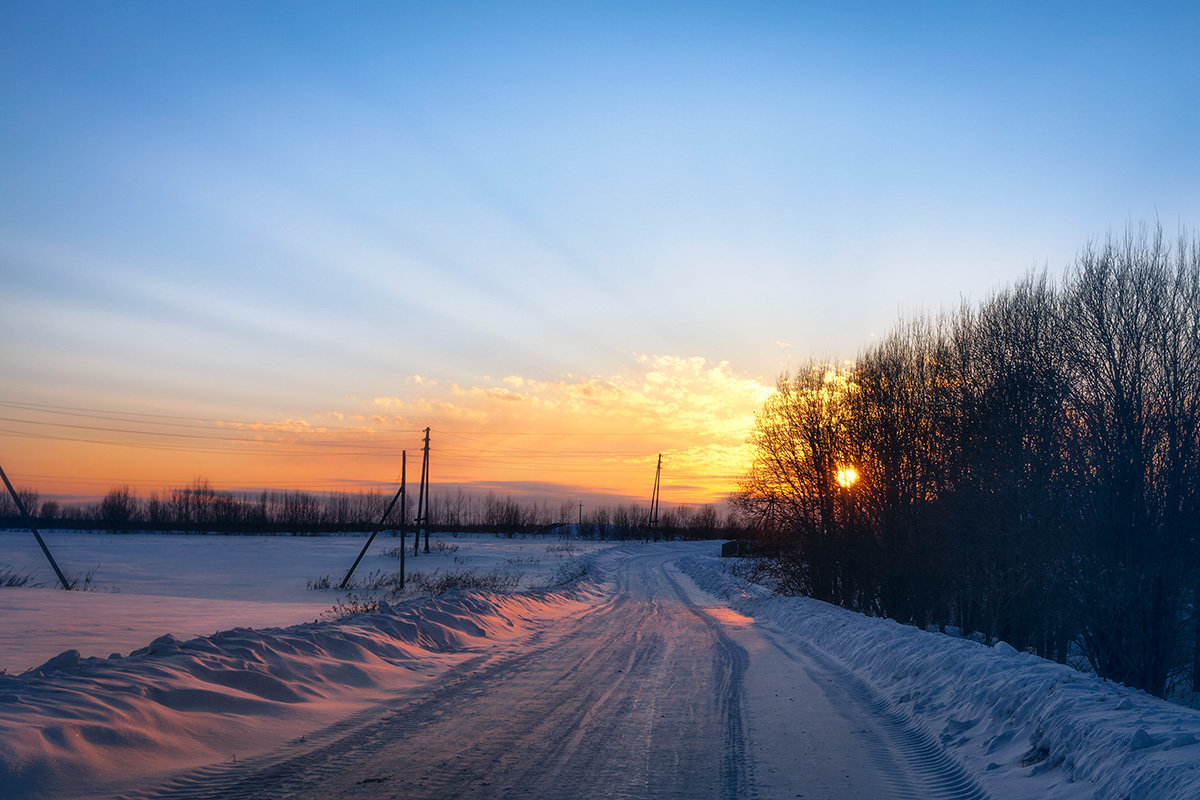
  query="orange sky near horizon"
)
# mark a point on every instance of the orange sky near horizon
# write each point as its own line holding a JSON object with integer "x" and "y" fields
{"x": 544, "y": 440}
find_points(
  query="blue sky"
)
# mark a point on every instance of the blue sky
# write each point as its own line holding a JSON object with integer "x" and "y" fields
{"x": 276, "y": 211}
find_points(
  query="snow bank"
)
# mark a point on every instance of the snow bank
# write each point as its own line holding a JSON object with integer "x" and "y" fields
{"x": 78, "y": 725}
{"x": 150, "y": 584}
{"x": 1029, "y": 727}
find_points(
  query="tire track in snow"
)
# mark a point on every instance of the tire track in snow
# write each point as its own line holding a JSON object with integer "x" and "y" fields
{"x": 731, "y": 661}
{"x": 639, "y": 699}
{"x": 256, "y": 776}
{"x": 916, "y": 764}
{"x": 642, "y": 697}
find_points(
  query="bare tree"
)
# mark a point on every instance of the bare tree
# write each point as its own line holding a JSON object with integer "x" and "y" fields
{"x": 1028, "y": 467}
{"x": 118, "y": 509}
{"x": 1132, "y": 328}
{"x": 798, "y": 444}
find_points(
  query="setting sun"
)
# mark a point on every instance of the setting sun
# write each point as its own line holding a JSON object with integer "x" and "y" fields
{"x": 846, "y": 476}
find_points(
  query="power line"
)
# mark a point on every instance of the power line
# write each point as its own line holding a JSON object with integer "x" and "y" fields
{"x": 295, "y": 440}
{"x": 476, "y": 451}
{"x": 132, "y": 416}
{"x": 269, "y": 449}
{"x": 308, "y": 435}
{"x": 610, "y": 434}
{"x": 274, "y": 451}
{"x": 171, "y": 420}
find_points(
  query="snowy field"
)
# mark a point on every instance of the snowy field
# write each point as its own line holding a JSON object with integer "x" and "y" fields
{"x": 195, "y": 686}
{"x": 180, "y": 655}
{"x": 146, "y": 585}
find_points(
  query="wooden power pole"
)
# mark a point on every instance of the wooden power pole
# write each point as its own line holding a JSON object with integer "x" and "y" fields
{"x": 425, "y": 484}
{"x": 423, "y": 501}
{"x": 654, "y": 496}
{"x": 403, "y": 511}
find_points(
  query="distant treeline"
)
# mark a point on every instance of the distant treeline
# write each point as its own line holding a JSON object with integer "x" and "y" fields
{"x": 1027, "y": 467}
{"x": 199, "y": 508}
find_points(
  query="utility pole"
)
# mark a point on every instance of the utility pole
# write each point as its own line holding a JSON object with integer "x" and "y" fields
{"x": 403, "y": 510}
{"x": 581, "y": 515}
{"x": 383, "y": 519}
{"x": 654, "y": 496}
{"x": 426, "y": 485}
{"x": 423, "y": 501}
{"x": 29, "y": 523}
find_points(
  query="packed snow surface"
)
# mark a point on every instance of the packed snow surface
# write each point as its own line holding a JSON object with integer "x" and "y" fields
{"x": 1029, "y": 728}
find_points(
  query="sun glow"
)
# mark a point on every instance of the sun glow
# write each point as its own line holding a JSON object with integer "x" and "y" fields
{"x": 846, "y": 477}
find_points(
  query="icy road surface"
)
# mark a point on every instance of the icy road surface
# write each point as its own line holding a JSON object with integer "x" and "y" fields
{"x": 658, "y": 691}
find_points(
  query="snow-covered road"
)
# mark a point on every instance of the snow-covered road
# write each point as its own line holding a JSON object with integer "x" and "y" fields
{"x": 661, "y": 674}
{"x": 656, "y": 691}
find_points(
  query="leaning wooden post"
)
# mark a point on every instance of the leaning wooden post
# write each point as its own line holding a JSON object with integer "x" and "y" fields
{"x": 378, "y": 527}
{"x": 29, "y": 523}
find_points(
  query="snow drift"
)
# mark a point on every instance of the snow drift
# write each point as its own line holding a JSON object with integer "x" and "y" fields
{"x": 82, "y": 725}
{"x": 1028, "y": 727}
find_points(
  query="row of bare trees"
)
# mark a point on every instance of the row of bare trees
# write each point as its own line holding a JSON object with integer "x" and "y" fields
{"x": 1027, "y": 467}
{"x": 464, "y": 511}
{"x": 199, "y": 507}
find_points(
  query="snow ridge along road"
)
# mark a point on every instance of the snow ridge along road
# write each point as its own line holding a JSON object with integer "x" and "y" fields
{"x": 656, "y": 691}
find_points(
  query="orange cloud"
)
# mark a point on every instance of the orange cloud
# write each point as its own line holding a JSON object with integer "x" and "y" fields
{"x": 599, "y": 432}
{"x": 588, "y": 434}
